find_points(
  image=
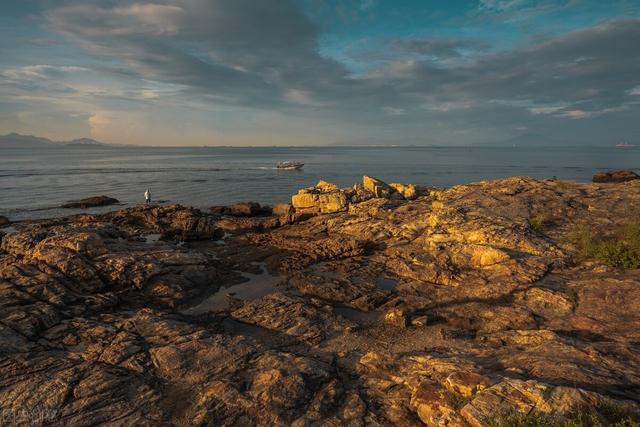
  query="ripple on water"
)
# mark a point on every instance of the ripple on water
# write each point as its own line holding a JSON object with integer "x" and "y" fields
{"x": 256, "y": 286}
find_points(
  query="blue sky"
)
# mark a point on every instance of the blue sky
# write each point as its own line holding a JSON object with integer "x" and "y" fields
{"x": 251, "y": 72}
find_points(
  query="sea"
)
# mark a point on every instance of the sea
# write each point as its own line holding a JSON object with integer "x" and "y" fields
{"x": 35, "y": 182}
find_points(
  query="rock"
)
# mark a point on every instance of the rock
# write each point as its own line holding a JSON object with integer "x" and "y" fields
{"x": 97, "y": 326}
{"x": 513, "y": 396}
{"x": 247, "y": 209}
{"x": 90, "y": 202}
{"x": 325, "y": 186}
{"x": 377, "y": 187}
{"x": 172, "y": 221}
{"x": 282, "y": 209}
{"x": 615, "y": 176}
{"x": 408, "y": 191}
{"x": 291, "y": 316}
{"x": 242, "y": 209}
{"x": 359, "y": 194}
{"x": 320, "y": 201}
{"x": 4, "y": 221}
{"x": 396, "y": 317}
{"x": 420, "y": 321}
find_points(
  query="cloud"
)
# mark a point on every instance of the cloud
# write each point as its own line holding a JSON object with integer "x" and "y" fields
{"x": 243, "y": 51}
{"x": 501, "y": 5}
{"x": 579, "y": 68}
{"x": 439, "y": 47}
{"x": 39, "y": 72}
{"x": 224, "y": 56}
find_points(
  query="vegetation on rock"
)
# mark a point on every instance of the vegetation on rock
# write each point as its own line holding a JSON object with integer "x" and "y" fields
{"x": 620, "y": 248}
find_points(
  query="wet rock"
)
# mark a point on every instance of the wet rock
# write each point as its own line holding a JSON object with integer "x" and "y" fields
{"x": 615, "y": 176}
{"x": 172, "y": 221}
{"x": 90, "y": 202}
{"x": 4, "y": 221}
{"x": 244, "y": 224}
{"x": 362, "y": 295}
{"x": 248, "y": 209}
{"x": 291, "y": 316}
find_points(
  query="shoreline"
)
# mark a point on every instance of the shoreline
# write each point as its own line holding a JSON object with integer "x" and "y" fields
{"x": 378, "y": 303}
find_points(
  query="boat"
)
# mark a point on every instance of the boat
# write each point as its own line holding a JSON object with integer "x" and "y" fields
{"x": 289, "y": 166}
{"x": 624, "y": 145}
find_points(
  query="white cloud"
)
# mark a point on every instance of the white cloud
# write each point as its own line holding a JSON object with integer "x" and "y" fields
{"x": 501, "y": 5}
{"x": 32, "y": 72}
{"x": 301, "y": 97}
{"x": 547, "y": 109}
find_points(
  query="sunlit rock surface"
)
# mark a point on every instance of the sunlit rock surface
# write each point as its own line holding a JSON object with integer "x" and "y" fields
{"x": 393, "y": 305}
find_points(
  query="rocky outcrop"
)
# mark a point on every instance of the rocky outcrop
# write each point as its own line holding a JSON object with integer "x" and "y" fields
{"x": 326, "y": 197}
{"x": 377, "y": 187}
{"x": 408, "y": 191}
{"x": 323, "y": 198}
{"x": 242, "y": 209}
{"x": 446, "y": 310}
{"x": 615, "y": 176}
{"x": 91, "y": 202}
{"x": 171, "y": 221}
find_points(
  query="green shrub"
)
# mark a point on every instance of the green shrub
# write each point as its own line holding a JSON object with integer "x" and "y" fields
{"x": 601, "y": 418}
{"x": 457, "y": 401}
{"x": 619, "y": 249}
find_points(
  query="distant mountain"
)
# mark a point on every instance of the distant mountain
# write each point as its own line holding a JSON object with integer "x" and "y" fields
{"x": 84, "y": 142}
{"x": 15, "y": 140}
{"x": 522, "y": 140}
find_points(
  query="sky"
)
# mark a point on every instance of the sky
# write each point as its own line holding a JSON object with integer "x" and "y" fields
{"x": 321, "y": 72}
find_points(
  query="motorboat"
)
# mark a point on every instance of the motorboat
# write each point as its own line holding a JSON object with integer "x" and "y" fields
{"x": 289, "y": 166}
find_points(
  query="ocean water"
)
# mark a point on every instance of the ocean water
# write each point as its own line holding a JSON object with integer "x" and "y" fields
{"x": 33, "y": 183}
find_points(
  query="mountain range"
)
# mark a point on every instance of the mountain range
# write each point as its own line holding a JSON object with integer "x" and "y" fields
{"x": 15, "y": 140}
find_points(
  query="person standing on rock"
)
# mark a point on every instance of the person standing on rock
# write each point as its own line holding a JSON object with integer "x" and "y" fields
{"x": 147, "y": 196}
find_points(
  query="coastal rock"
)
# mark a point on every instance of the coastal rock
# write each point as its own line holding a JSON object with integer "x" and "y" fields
{"x": 282, "y": 209}
{"x": 443, "y": 310}
{"x": 408, "y": 191}
{"x": 90, "y": 202}
{"x": 325, "y": 186}
{"x": 513, "y": 396}
{"x": 291, "y": 316}
{"x": 4, "y": 221}
{"x": 323, "y": 198}
{"x": 359, "y": 194}
{"x": 241, "y": 209}
{"x": 377, "y": 187}
{"x": 171, "y": 221}
{"x": 615, "y": 176}
{"x": 396, "y": 317}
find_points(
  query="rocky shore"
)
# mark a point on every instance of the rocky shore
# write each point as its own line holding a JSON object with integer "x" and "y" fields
{"x": 378, "y": 304}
